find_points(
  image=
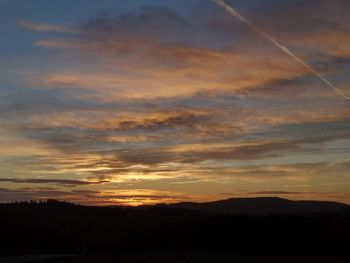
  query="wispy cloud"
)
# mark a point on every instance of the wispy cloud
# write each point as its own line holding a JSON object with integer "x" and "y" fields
{"x": 179, "y": 106}
{"x": 44, "y": 27}
{"x": 285, "y": 49}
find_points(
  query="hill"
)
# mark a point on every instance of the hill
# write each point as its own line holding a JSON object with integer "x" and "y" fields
{"x": 262, "y": 206}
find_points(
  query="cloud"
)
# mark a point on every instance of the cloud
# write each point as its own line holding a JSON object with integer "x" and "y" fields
{"x": 250, "y": 150}
{"x": 63, "y": 182}
{"x": 152, "y": 99}
{"x": 134, "y": 58}
{"x": 150, "y": 69}
{"x": 124, "y": 121}
{"x": 320, "y": 24}
{"x": 43, "y": 27}
{"x": 148, "y": 22}
{"x": 149, "y": 54}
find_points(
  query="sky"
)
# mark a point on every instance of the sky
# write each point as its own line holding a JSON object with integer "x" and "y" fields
{"x": 158, "y": 101}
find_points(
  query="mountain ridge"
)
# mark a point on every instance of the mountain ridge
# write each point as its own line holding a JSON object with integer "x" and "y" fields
{"x": 261, "y": 205}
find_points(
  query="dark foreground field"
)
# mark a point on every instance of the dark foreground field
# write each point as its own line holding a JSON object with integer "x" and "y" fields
{"x": 171, "y": 258}
{"x": 189, "y": 233}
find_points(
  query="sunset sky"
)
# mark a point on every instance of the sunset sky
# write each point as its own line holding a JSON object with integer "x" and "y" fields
{"x": 151, "y": 101}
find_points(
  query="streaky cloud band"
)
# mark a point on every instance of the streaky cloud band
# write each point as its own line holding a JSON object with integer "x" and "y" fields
{"x": 286, "y": 50}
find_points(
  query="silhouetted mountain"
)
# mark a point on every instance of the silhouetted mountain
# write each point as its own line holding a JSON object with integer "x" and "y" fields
{"x": 262, "y": 206}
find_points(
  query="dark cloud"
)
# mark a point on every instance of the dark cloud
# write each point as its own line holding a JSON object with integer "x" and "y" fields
{"x": 288, "y": 18}
{"x": 311, "y": 29}
{"x": 148, "y": 22}
{"x": 177, "y": 118}
{"x": 62, "y": 182}
{"x": 248, "y": 151}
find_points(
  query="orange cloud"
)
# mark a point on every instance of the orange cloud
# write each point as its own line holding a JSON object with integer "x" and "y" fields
{"x": 141, "y": 68}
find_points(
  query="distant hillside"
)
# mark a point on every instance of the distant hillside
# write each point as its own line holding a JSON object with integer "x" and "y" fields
{"x": 263, "y": 206}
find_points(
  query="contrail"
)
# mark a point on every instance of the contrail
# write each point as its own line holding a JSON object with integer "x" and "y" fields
{"x": 233, "y": 12}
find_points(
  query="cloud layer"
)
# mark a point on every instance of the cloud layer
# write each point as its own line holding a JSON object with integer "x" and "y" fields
{"x": 161, "y": 105}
